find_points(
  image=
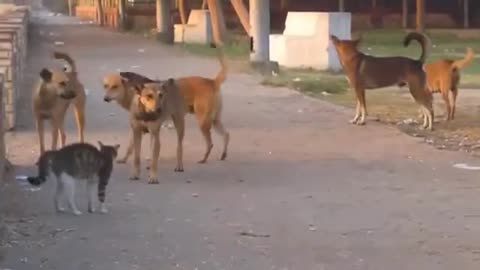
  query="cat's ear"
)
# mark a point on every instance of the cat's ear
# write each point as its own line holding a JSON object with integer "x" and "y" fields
{"x": 116, "y": 146}
{"x": 100, "y": 144}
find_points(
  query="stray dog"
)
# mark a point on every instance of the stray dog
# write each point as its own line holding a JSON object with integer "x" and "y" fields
{"x": 53, "y": 94}
{"x": 444, "y": 76}
{"x": 151, "y": 105}
{"x": 122, "y": 90}
{"x": 201, "y": 97}
{"x": 369, "y": 72}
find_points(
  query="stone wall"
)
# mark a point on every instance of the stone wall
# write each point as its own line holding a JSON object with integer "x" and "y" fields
{"x": 13, "y": 53}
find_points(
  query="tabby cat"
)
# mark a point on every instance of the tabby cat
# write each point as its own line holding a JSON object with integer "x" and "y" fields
{"x": 75, "y": 163}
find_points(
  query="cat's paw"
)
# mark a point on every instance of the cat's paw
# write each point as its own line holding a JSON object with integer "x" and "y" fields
{"x": 76, "y": 212}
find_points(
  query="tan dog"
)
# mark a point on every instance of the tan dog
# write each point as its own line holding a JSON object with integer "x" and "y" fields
{"x": 369, "y": 72}
{"x": 152, "y": 104}
{"x": 52, "y": 96}
{"x": 444, "y": 76}
{"x": 122, "y": 90}
{"x": 201, "y": 97}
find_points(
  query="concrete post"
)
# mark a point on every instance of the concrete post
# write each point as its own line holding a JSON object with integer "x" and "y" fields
{"x": 420, "y": 15}
{"x": 341, "y": 5}
{"x": 466, "y": 7}
{"x": 405, "y": 13}
{"x": 260, "y": 30}
{"x": 164, "y": 24}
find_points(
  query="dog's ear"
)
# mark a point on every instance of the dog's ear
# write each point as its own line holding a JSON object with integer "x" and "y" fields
{"x": 46, "y": 75}
{"x": 334, "y": 38}
{"x": 116, "y": 147}
{"x": 168, "y": 84}
{"x": 100, "y": 144}
{"x": 138, "y": 88}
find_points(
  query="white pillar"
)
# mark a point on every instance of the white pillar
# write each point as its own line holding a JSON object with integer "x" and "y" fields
{"x": 260, "y": 30}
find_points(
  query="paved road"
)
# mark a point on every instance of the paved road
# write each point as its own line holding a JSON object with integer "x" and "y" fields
{"x": 316, "y": 192}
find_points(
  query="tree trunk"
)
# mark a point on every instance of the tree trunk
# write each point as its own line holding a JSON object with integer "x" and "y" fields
{"x": 70, "y": 7}
{"x": 420, "y": 15}
{"x": 216, "y": 22}
{"x": 204, "y": 4}
{"x": 181, "y": 9}
{"x": 121, "y": 14}
{"x": 100, "y": 17}
{"x": 242, "y": 13}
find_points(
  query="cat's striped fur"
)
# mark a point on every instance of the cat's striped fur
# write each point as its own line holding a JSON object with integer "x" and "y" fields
{"x": 74, "y": 163}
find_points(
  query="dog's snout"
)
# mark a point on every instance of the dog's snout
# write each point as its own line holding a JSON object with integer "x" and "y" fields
{"x": 107, "y": 99}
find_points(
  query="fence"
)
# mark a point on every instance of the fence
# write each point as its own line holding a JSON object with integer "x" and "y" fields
{"x": 13, "y": 54}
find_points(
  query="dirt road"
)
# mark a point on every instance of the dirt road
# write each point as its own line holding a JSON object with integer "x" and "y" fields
{"x": 302, "y": 189}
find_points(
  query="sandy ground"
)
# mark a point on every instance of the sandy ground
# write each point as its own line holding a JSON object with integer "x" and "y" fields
{"x": 301, "y": 189}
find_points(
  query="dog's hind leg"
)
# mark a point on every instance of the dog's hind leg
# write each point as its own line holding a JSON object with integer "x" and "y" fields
{"x": 55, "y": 133}
{"x": 220, "y": 129}
{"x": 41, "y": 138}
{"x": 363, "y": 106}
{"x": 357, "y": 114}
{"x": 205, "y": 127}
{"x": 79, "y": 110}
{"x": 447, "y": 105}
{"x": 179, "y": 123}
{"x": 453, "y": 101}
{"x": 129, "y": 150}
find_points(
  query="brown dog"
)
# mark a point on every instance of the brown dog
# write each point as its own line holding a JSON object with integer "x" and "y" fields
{"x": 444, "y": 76}
{"x": 151, "y": 105}
{"x": 202, "y": 97}
{"x": 52, "y": 96}
{"x": 369, "y": 72}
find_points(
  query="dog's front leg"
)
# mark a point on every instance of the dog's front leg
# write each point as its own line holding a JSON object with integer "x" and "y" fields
{"x": 363, "y": 105}
{"x": 137, "y": 146}
{"x": 357, "y": 114}
{"x": 155, "y": 138}
{"x": 40, "y": 130}
{"x": 55, "y": 132}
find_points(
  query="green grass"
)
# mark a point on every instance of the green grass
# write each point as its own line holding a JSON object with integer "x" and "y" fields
{"x": 237, "y": 47}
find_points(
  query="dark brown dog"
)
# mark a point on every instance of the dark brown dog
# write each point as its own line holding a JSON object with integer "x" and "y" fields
{"x": 370, "y": 72}
{"x": 444, "y": 76}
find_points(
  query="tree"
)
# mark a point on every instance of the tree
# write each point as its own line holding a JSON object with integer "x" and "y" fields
{"x": 99, "y": 8}
{"x": 242, "y": 13}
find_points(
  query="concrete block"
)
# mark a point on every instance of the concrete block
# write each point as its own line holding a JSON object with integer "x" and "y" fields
{"x": 305, "y": 42}
{"x": 197, "y": 30}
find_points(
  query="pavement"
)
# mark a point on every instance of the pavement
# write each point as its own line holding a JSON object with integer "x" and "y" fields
{"x": 302, "y": 189}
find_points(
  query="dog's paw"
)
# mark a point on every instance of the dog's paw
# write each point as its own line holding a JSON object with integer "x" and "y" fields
{"x": 60, "y": 209}
{"x": 353, "y": 121}
{"x": 134, "y": 178}
{"x": 103, "y": 209}
{"x": 223, "y": 156}
{"x": 121, "y": 161}
{"x": 153, "y": 181}
{"x": 203, "y": 161}
{"x": 178, "y": 169}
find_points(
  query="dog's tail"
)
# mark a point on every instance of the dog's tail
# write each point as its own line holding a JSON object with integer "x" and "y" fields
{"x": 424, "y": 42}
{"x": 222, "y": 74}
{"x": 466, "y": 61}
{"x": 67, "y": 58}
